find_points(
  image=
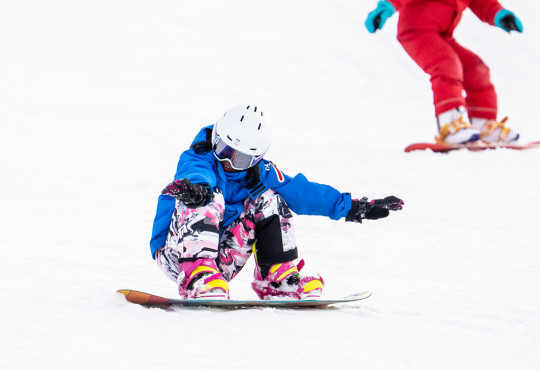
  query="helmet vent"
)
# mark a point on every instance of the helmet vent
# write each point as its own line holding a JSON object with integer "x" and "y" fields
{"x": 241, "y": 119}
{"x": 260, "y": 124}
{"x": 255, "y": 109}
{"x": 228, "y": 137}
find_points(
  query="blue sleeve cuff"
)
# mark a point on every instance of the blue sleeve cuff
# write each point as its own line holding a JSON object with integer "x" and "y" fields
{"x": 386, "y": 6}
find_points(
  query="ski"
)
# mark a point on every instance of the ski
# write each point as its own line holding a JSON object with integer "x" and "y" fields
{"x": 474, "y": 147}
{"x": 151, "y": 300}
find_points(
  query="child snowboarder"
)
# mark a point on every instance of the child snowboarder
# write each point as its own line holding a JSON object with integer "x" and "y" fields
{"x": 425, "y": 30}
{"x": 226, "y": 198}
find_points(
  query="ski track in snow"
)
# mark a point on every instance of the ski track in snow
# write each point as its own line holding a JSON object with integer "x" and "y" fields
{"x": 98, "y": 99}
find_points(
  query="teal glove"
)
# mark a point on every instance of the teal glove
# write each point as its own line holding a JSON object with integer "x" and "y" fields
{"x": 376, "y": 19}
{"x": 508, "y": 21}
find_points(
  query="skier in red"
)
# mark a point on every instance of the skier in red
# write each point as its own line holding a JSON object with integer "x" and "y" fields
{"x": 425, "y": 30}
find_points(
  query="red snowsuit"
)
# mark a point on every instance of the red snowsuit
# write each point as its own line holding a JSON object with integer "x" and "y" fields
{"x": 425, "y": 30}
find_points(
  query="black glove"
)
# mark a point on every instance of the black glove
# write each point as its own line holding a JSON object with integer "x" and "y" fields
{"x": 508, "y": 23}
{"x": 192, "y": 195}
{"x": 373, "y": 210}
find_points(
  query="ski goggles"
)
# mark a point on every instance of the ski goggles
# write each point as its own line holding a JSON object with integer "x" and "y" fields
{"x": 238, "y": 160}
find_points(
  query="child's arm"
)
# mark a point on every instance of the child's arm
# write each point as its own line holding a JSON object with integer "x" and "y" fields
{"x": 306, "y": 197}
{"x": 485, "y": 9}
{"x": 492, "y": 12}
{"x": 190, "y": 167}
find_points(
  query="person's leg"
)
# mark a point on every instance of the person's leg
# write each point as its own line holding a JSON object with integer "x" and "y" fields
{"x": 265, "y": 219}
{"x": 190, "y": 252}
{"x": 425, "y": 32}
{"x": 275, "y": 249}
{"x": 481, "y": 98}
{"x": 442, "y": 64}
{"x": 235, "y": 246}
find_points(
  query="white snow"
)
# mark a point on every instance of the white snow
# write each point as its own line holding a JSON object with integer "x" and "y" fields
{"x": 98, "y": 99}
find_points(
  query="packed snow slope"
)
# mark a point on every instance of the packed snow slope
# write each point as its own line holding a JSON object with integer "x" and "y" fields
{"x": 99, "y": 98}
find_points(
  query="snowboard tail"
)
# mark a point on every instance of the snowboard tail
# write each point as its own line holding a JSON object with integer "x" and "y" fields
{"x": 474, "y": 147}
{"x": 151, "y": 300}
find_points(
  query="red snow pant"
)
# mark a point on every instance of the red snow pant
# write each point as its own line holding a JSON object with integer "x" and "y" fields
{"x": 425, "y": 30}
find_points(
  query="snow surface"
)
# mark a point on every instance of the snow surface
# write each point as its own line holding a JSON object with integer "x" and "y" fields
{"x": 98, "y": 99}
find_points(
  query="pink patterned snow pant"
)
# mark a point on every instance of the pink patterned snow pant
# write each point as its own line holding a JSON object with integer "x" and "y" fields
{"x": 196, "y": 233}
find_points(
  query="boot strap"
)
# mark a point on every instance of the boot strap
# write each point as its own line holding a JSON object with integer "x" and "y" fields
{"x": 451, "y": 128}
{"x": 492, "y": 124}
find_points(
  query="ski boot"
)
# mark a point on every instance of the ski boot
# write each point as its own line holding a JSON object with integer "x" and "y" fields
{"x": 492, "y": 131}
{"x": 283, "y": 280}
{"x": 453, "y": 129}
{"x": 201, "y": 279}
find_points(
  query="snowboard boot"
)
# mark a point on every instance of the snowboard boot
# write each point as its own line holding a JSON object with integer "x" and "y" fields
{"x": 201, "y": 279}
{"x": 283, "y": 280}
{"x": 454, "y": 129}
{"x": 492, "y": 131}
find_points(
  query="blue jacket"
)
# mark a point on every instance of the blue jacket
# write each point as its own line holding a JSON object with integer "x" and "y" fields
{"x": 302, "y": 196}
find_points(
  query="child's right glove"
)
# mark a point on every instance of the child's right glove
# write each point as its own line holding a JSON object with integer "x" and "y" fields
{"x": 373, "y": 210}
{"x": 192, "y": 195}
{"x": 377, "y": 18}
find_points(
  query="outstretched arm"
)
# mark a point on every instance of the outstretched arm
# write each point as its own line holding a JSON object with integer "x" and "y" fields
{"x": 492, "y": 12}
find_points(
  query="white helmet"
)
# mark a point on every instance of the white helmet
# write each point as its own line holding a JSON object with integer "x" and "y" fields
{"x": 242, "y": 136}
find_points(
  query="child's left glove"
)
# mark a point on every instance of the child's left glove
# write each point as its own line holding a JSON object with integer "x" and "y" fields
{"x": 192, "y": 195}
{"x": 373, "y": 210}
{"x": 508, "y": 21}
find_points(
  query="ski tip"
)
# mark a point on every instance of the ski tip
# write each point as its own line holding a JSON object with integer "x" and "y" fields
{"x": 125, "y": 292}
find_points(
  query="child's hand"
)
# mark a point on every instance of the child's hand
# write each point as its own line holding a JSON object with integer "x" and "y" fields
{"x": 508, "y": 21}
{"x": 376, "y": 19}
{"x": 192, "y": 195}
{"x": 373, "y": 210}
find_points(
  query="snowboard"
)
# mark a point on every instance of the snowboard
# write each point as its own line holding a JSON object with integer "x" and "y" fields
{"x": 150, "y": 300}
{"x": 475, "y": 147}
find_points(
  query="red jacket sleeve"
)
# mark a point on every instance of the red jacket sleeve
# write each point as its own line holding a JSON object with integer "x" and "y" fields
{"x": 485, "y": 9}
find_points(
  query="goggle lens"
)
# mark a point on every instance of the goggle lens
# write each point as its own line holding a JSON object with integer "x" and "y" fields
{"x": 238, "y": 160}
